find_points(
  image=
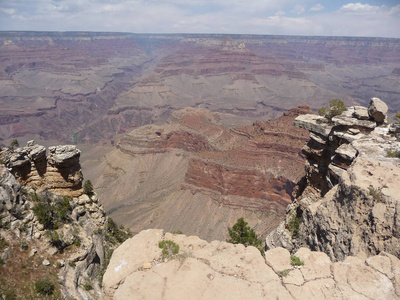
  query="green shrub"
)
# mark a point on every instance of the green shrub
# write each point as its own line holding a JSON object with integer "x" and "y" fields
{"x": 336, "y": 107}
{"x": 241, "y": 233}
{"x": 14, "y": 143}
{"x": 296, "y": 261}
{"x": 44, "y": 287}
{"x": 55, "y": 239}
{"x": 88, "y": 188}
{"x": 3, "y": 244}
{"x": 393, "y": 153}
{"x": 77, "y": 241}
{"x": 52, "y": 213}
{"x": 376, "y": 194}
{"x": 115, "y": 234}
{"x": 43, "y": 213}
{"x": 294, "y": 225}
{"x": 87, "y": 286}
{"x": 24, "y": 245}
{"x": 169, "y": 248}
{"x": 283, "y": 273}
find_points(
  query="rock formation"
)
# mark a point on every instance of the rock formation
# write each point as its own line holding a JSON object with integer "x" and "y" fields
{"x": 348, "y": 203}
{"x": 48, "y": 227}
{"x": 58, "y": 172}
{"x": 219, "y": 270}
{"x": 219, "y": 173}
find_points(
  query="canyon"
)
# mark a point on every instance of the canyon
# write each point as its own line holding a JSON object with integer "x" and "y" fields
{"x": 192, "y": 170}
{"x": 82, "y": 87}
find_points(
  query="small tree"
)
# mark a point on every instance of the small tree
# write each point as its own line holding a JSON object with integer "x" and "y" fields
{"x": 241, "y": 233}
{"x": 14, "y": 143}
{"x": 88, "y": 188}
{"x": 336, "y": 107}
{"x": 398, "y": 117}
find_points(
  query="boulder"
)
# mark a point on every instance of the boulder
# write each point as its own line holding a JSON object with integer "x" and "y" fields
{"x": 377, "y": 110}
{"x": 360, "y": 112}
{"x": 60, "y": 155}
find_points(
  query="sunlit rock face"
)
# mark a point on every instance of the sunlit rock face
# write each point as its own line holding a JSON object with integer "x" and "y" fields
{"x": 348, "y": 202}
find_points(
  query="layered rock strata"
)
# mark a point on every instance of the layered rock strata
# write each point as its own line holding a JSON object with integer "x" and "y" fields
{"x": 219, "y": 270}
{"x": 348, "y": 203}
{"x": 219, "y": 173}
{"x": 58, "y": 172}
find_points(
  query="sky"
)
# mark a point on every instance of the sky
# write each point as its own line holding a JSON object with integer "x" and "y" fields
{"x": 277, "y": 17}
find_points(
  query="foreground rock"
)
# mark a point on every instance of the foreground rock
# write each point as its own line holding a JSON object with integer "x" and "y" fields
{"x": 349, "y": 201}
{"x": 220, "y": 270}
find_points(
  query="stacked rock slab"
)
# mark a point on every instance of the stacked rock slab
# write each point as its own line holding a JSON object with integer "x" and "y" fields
{"x": 349, "y": 201}
{"x": 58, "y": 172}
{"x": 219, "y": 270}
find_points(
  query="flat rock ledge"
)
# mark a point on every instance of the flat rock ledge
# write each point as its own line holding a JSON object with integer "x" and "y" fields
{"x": 220, "y": 270}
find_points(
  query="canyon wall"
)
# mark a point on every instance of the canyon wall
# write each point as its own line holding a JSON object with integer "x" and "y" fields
{"x": 91, "y": 87}
{"x": 195, "y": 175}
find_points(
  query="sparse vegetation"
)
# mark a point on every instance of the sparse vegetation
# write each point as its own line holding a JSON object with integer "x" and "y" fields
{"x": 241, "y": 233}
{"x": 45, "y": 287}
{"x": 295, "y": 261}
{"x": 294, "y": 225}
{"x": 52, "y": 213}
{"x": 336, "y": 107}
{"x": 115, "y": 234}
{"x": 24, "y": 245}
{"x": 55, "y": 239}
{"x": 8, "y": 295}
{"x": 177, "y": 232}
{"x": 14, "y": 143}
{"x": 169, "y": 248}
{"x": 393, "y": 153}
{"x": 88, "y": 188}
{"x": 87, "y": 286}
{"x": 376, "y": 194}
{"x": 3, "y": 244}
{"x": 283, "y": 273}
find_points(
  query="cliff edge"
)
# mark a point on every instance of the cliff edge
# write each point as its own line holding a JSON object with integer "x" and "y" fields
{"x": 348, "y": 203}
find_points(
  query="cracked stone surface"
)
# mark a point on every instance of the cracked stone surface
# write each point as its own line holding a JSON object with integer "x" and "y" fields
{"x": 219, "y": 270}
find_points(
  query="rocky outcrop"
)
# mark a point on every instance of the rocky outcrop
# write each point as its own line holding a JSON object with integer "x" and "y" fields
{"x": 58, "y": 172}
{"x": 219, "y": 270}
{"x": 348, "y": 203}
{"x": 62, "y": 228}
{"x": 377, "y": 110}
{"x": 10, "y": 190}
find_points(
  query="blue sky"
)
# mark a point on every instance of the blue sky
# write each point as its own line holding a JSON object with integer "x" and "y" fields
{"x": 289, "y": 17}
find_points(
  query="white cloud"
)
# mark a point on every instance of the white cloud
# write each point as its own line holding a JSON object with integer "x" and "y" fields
{"x": 317, "y": 7}
{"x": 201, "y": 16}
{"x": 358, "y": 8}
